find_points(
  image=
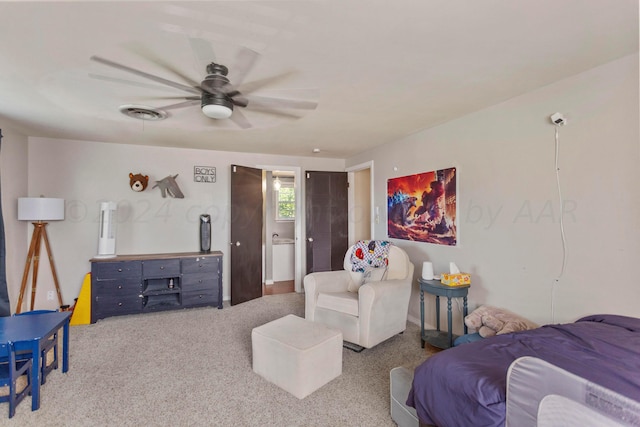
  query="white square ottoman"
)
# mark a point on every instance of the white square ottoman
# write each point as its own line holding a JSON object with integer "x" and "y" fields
{"x": 297, "y": 355}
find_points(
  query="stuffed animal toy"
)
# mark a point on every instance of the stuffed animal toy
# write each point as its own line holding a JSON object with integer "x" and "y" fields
{"x": 138, "y": 182}
{"x": 489, "y": 321}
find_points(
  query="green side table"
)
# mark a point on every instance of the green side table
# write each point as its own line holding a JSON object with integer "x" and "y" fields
{"x": 436, "y": 337}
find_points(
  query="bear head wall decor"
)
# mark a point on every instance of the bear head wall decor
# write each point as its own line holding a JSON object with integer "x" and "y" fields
{"x": 138, "y": 182}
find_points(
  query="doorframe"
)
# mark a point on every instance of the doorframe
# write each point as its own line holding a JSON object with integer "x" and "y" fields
{"x": 351, "y": 196}
{"x": 297, "y": 171}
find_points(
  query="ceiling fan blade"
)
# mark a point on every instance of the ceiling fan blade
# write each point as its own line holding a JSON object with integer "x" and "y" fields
{"x": 183, "y": 104}
{"x": 203, "y": 52}
{"x": 271, "y": 111}
{"x": 240, "y": 101}
{"x": 127, "y": 82}
{"x": 240, "y": 119}
{"x": 267, "y": 102}
{"x": 145, "y": 75}
{"x": 254, "y": 85}
{"x": 245, "y": 61}
{"x": 147, "y": 54}
{"x": 167, "y": 98}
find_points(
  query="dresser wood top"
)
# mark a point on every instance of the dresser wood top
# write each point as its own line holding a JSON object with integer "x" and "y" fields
{"x": 143, "y": 257}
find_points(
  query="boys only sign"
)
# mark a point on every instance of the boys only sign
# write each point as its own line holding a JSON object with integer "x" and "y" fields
{"x": 205, "y": 174}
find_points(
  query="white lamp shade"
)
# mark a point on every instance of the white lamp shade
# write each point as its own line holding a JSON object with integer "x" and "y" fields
{"x": 40, "y": 209}
{"x": 217, "y": 111}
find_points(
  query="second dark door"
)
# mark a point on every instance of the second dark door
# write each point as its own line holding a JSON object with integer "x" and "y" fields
{"x": 327, "y": 231}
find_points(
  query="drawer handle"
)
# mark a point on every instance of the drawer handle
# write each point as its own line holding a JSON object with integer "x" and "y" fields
{"x": 119, "y": 270}
{"x": 200, "y": 281}
{"x": 119, "y": 303}
{"x": 162, "y": 267}
{"x": 119, "y": 286}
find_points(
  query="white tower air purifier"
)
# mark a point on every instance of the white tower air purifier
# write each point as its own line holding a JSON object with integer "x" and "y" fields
{"x": 107, "y": 236}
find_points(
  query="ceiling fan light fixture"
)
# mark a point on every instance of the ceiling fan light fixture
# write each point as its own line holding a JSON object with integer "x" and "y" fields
{"x": 216, "y": 106}
{"x": 215, "y": 111}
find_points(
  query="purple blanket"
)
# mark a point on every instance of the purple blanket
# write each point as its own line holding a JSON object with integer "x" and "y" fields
{"x": 466, "y": 385}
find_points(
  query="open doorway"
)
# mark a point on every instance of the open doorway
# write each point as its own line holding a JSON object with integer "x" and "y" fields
{"x": 361, "y": 215}
{"x": 281, "y": 228}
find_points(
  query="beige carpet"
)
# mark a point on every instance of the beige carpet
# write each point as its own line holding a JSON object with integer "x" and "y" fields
{"x": 193, "y": 368}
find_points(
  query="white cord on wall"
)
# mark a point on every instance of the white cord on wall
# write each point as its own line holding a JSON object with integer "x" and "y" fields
{"x": 564, "y": 241}
{"x": 557, "y": 124}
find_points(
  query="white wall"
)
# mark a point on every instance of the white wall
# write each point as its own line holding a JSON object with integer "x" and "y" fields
{"x": 13, "y": 175}
{"x": 508, "y": 208}
{"x": 86, "y": 173}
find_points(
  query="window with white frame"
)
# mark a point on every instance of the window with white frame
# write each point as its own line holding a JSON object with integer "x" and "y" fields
{"x": 285, "y": 200}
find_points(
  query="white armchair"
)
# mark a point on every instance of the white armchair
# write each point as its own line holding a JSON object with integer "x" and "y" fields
{"x": 369, "y": 313}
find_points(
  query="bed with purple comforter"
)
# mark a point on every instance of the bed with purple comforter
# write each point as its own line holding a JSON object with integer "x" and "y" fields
{"x": 466, "y": 385}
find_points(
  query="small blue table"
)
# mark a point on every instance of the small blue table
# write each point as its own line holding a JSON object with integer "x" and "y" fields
{"x": 28, "y": 332}
{"x": 434, "y": 287}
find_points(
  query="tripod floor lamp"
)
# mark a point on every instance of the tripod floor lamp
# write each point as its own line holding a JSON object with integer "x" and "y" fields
{"x": 39, "y": 210}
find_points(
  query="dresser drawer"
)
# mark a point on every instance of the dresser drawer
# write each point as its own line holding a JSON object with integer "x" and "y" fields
{"x": 116, "y": 270}
{"x": 117, "y": 288}
{"x": 201, "y": 297}
{"x": 192, "y": 282}
{"x": 161, "y": 268}
{"x": 204, "y": 264}
{"x": 114, "y": 306}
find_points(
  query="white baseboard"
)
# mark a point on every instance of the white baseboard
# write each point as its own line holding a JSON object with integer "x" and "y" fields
{"x": 416, "y": 321}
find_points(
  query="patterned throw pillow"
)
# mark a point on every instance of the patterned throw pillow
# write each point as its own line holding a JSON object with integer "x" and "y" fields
{"x": 369, "y": 260}
{"x": 369, "y": 253}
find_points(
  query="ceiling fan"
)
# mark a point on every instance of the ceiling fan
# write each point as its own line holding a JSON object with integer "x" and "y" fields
{"x": 217, "y": 96}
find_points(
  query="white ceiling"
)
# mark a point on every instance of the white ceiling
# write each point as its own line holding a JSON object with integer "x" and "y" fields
{"x": 379, "y": 69}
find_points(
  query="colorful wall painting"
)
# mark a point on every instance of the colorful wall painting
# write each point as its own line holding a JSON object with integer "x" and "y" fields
{"x": 423, "y": 207}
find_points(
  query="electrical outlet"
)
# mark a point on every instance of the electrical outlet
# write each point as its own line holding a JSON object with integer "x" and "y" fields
{"x": 50, "y": 296}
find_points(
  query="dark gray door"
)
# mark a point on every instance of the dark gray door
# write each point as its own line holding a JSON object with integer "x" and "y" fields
{"x": 327, "y": 231}
{"x": 246, "y": 234}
